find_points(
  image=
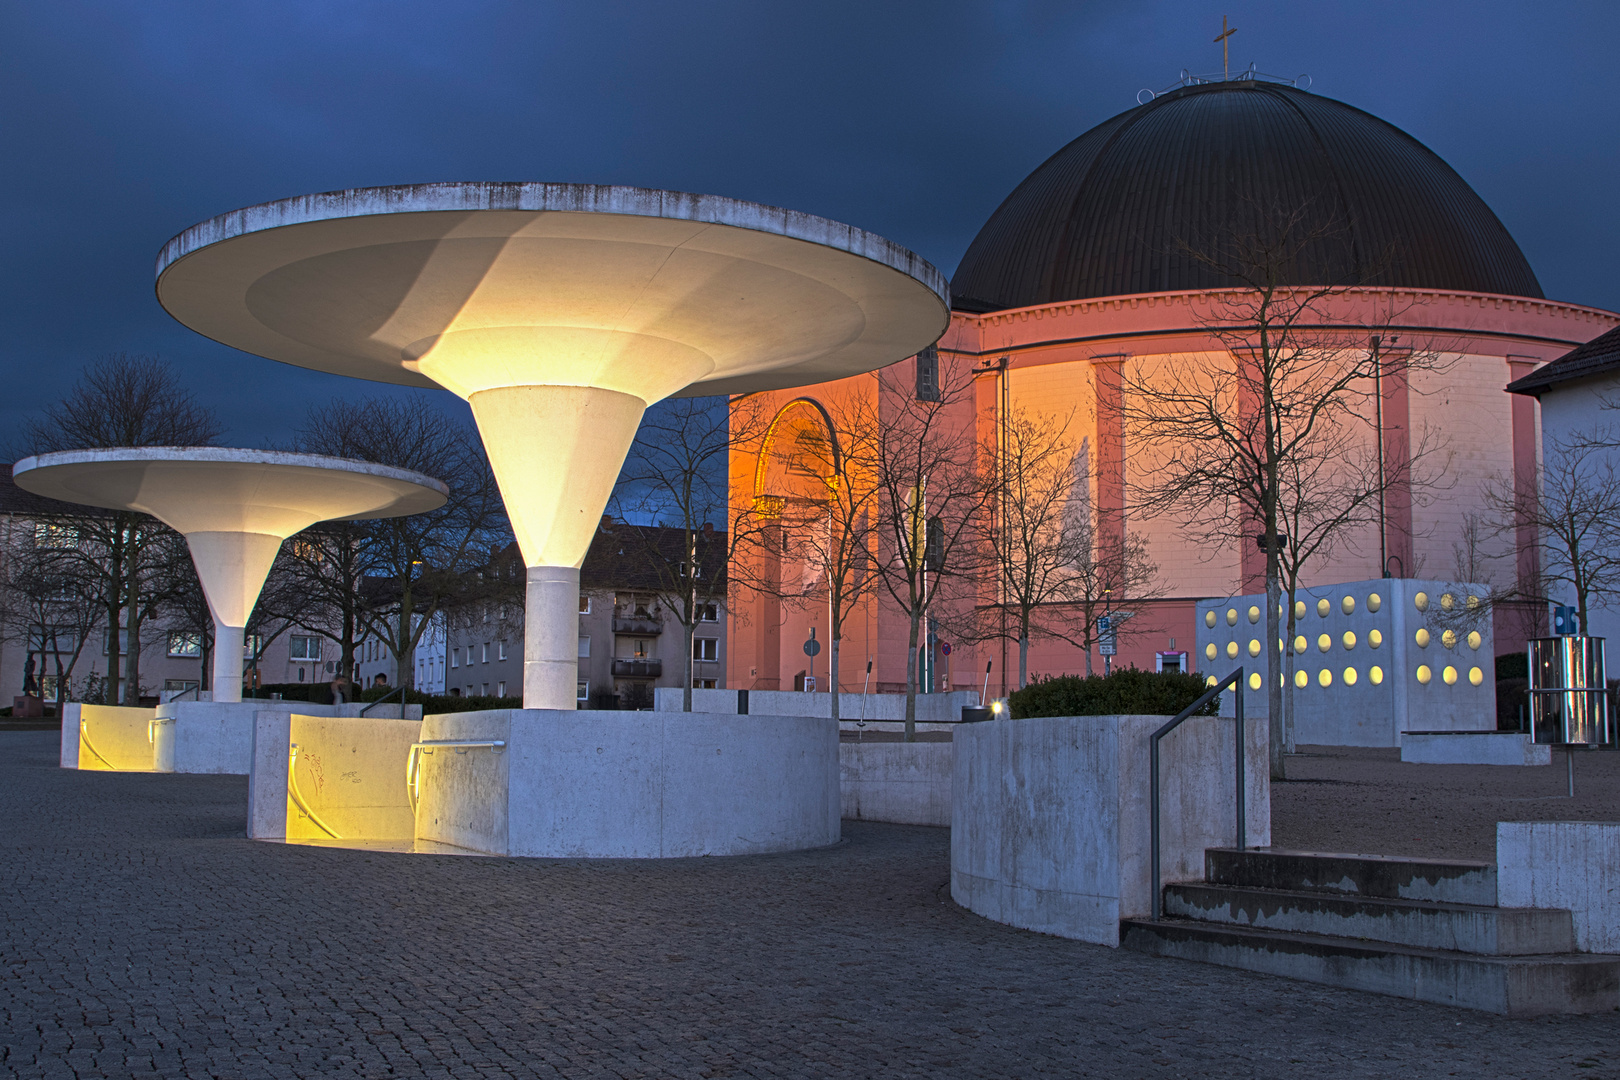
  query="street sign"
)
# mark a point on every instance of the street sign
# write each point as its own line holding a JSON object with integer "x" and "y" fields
{"x": 946, "y": 648}
{"x": 1566, "y": 620}
{"x": 1107, "y": 641}
{"x": 812, "y": 647}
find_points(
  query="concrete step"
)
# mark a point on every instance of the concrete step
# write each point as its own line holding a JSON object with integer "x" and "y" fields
{"x": 1389, "y": 877}
{"x": 1426, "y": 924}
{"x": 1509, "y": 985}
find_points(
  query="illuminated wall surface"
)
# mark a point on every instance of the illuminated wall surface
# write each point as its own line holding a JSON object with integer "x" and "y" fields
{"x": 112, "y": 738}
{"x": 346, "y": 778}
{"x": 1372, "y": 658}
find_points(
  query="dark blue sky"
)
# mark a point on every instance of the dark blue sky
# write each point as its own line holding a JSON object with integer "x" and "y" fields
{"x": 126, "y": 122}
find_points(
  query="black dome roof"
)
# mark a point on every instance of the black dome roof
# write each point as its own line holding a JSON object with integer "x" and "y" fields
{"x": 1123, "y": 208}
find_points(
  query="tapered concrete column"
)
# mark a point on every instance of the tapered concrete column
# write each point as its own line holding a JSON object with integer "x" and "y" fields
{"x": 228, "y": 661}
{"x": 551, "y": 638}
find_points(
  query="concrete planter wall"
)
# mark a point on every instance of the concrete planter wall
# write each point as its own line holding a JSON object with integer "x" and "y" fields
{"x": 904, "y": 783}
{"x": 1573, "y": 865}
{"x": 630, "y": 784}
{"x": 888, "y": 708}
{"x": 1050, "y": 816}
{"x": 217, "y": 736}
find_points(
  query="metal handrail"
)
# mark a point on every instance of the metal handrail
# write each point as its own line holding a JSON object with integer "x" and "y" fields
{"x": 1234, "y": 680}
{"x": 297, "y": 796}
{"x": 413, "y": 772}
{"x": 396, "y": 690}
{"x": 152, "y": 725}
{"x": 84, "y": 741}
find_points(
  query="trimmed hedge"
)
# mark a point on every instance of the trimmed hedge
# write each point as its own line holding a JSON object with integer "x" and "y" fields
{"x": 1127, "y": 692}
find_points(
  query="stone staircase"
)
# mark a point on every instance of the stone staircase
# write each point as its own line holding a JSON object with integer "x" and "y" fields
{"x": 1414, "y": 928}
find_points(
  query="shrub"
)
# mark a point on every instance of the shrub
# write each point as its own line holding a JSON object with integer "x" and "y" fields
{"x": 321, "y": 694}
{"x": 1127, "y": 692}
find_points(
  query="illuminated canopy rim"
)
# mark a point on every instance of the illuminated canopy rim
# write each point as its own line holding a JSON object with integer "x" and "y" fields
{"x": 385, "y": 283}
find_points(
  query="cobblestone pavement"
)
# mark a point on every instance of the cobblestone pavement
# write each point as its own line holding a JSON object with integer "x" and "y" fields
{"x": 143, "y": 936}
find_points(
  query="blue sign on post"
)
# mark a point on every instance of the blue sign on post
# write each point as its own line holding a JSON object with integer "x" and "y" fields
{"x": 1107, "y": 642}
{"x": 1566, "y": 621}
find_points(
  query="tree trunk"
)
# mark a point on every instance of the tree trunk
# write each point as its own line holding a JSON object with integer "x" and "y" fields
{"x": 912, "y": 677}
{"x": 1274, "y": 666}
{"x": 132, "y": 666}
{"x": 1288, "y": 676}
{"x": 686, "y": 687}
{"x": 832, "y": 672}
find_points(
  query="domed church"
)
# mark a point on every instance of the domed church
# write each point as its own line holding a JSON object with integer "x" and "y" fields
{"x": 1110, "y": 258}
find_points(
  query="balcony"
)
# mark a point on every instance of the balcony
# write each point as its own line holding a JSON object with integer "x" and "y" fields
{"x": 641, "y": 624}
{"x": 637, "y": 668}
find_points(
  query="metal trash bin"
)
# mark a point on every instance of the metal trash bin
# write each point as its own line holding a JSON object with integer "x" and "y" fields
{"x": 1569, "y": 692}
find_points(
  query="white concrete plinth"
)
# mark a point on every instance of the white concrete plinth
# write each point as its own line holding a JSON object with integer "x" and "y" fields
{"x": 1569, "y": 865}
{"x": 900, "y": 782}
{"x": 1472, "y": 748}
{"x": 629, "y": 785}
{"x": 217, "y": 736}
{"x": 1050, "y": 817}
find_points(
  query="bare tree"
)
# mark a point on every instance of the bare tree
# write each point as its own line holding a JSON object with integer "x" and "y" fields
{"x": 425, "y": 561}
{"x": 1575, "y": 518}
{"x": 48, "y": 606}
{"x": 919, "y": 449}
{"x": 1235, "y": 444}
{"x": 826, "y": 528}
{"x": 122, "y": 400}
{"x": 676, "y": 475}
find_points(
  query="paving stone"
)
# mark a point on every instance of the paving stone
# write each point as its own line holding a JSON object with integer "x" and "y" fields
{"x": 143, "y": 935}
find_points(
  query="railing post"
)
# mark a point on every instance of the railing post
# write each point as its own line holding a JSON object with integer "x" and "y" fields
{"x": 1153, "y": 757}
{"x": 1242, "y": 760}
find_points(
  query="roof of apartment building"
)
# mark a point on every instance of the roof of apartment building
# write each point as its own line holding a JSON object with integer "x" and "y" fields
{"x": 626, "y": 556}
{"x": 1596, "y": 357}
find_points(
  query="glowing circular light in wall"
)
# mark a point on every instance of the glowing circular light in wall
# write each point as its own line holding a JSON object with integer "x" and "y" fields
{"x": 1421, "y": 601}
{"x": 1348, "y": 605}
{"x": 1473, "y": 603}
{"x": 1376, "y": 674}
{"x": 1476, "y": 676}
{"x": 1447, "y": 602}
{"x": 1450, "y": 675}
{"x": 1325, "y": 677}
{"x": 1301, "y": 645}
{"x": 1325, "y": 642}
{"x": 1349, "y": 676}
{"x": 1231, "y": 616}
{"x": 1231, "y": 652}
{"x": 1323, "y": 607}
{"x": 1374, "y": 602}
{"x": 1211, "y": 681}
{"x": 1255, "y": 680}
{"x": 1448, "y": 638}
{"x": 1299, "y": 609}
{"x": 1254, "y": 647}
{"x": 1375, "y": 638}
{"x": 1424, "y": 674}
{"x": 1254, "y": 614}
{"x": 1474, "y": 639}
{"x": 1349, "y": 639}
{"x": 1209, "y": 619}
{"x": 1422, "y": 637}
{"x": 1211, "y": 651}
{"x": 1301, "y": 679}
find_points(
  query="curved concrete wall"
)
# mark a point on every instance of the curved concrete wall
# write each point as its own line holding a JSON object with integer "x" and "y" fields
{"x": 1050, "y": 817}
{"x": 112, "y": 738}
{"x": 631, "y": 784}
{"x": 217, "y": 736}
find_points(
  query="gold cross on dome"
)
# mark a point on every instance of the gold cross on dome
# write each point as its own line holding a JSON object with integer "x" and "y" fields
{"x": 1226, "y": 62}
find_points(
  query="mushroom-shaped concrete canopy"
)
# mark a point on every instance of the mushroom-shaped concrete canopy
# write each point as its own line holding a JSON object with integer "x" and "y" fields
{"x": 234, "y": 508}
{"x": 560, "y": 312}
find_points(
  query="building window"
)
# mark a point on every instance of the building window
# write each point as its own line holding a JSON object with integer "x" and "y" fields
{"x": 176, "y": 686}
{"x": 703, "y": 684}
{"x": 584, "y": 690}
{"x": 47, "y": 686}
{"x": 934, "y": 546}
{"x": 585, "y": 649}
{"x": 55, "y": 536}
{"x": 455, "y": 661}
{"x": 500, "y": 653}
{"x": 486, "y": 693}
{"x": 252, "y": 645}
{"x": 486, "y": 652}
{"x": 708, "y": 612}
{"x": 638, "y": 649}
{"x": 705, "y": 648}
{"x": 306, "y": 647}
{"x": 185, "y": 644}
{"x": 500, "y": 691}
{"x": 123, "y": 642}
{"x": 928, "y": 374}
{"x": 584, "y": 604}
